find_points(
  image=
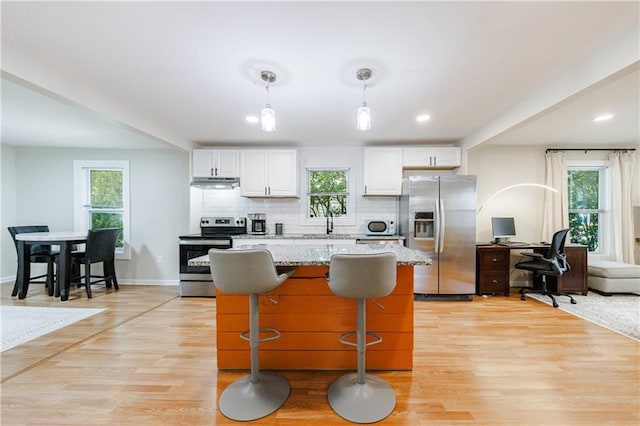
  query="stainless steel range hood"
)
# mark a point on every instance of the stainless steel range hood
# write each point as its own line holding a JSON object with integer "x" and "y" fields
{"x": 215, "y": 182}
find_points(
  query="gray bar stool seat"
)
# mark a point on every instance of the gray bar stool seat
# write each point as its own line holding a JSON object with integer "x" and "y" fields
{"x": 361, "y": 397}
{"x": 250, "y": 272}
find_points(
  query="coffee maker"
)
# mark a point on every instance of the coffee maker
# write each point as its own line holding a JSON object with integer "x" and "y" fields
{"x": 257, "y": 223}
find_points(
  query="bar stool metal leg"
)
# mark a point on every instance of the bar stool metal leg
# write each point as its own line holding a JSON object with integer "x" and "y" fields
{"x": 361, "y": 397}
{"x": 259, "y": 394}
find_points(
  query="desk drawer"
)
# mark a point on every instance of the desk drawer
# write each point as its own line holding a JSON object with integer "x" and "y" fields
{"x": 493, "y": 260}
{"x": 493, "y": 282}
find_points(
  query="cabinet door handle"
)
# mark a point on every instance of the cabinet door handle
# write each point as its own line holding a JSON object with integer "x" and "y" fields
{"x": 216, "y": 172}
{"x": 212, "y": 172}
{"x": 494, "y": 260}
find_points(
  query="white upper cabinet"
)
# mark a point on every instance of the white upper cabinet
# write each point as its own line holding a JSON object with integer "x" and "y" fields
{"x": 431, "y": 157}
{"x": 383, "y": 171}
{"x": 216, "y": 163}
{"x": 269, "y": 173}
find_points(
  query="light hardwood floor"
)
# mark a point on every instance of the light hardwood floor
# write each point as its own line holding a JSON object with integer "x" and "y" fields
{"x": 149, "y": 359}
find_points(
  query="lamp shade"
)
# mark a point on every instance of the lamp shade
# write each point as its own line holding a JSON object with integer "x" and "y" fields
{"x": 268, "y": 119}
{"x": 364, "y": 118}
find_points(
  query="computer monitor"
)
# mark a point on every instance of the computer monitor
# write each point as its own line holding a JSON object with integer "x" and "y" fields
{"x": 503, "y": 228}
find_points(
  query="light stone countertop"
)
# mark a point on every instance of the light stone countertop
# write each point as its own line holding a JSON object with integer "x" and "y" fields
{"x": 319, "y": 255}
{"x": 318, "y": 237}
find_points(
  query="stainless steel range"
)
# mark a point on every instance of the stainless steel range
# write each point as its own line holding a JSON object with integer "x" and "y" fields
{"x": 215, "y": 232}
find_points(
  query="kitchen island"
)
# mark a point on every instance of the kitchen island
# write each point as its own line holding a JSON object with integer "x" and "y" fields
{"x": 312, "y": 319}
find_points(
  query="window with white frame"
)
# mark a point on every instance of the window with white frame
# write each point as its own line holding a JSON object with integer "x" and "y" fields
{"x": 328, "y": 192}
{"x": 587, "y": 186}
{"x": 101, "y": 198}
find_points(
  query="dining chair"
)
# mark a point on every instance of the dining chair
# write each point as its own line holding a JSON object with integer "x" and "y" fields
{"x": 39, "y": 254}
{"x": 100, "y": 248}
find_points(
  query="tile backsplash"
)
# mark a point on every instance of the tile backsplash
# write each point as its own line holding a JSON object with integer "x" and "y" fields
{"x": 292, "y": 212}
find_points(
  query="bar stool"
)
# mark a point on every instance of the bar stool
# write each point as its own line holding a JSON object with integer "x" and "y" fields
{"x": 362, "y": 397}
{"x": 250, "y": 272}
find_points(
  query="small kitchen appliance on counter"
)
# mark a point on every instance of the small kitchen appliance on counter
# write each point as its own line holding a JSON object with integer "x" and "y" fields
{"x": 257, "y": 223}
{"x": 215, "y": 232}
{"x": 380, "y": 227}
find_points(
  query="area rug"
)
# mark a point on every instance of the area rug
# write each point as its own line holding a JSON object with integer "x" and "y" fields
{"x": 23, "y": 323}
{"x": 620, "y": 313}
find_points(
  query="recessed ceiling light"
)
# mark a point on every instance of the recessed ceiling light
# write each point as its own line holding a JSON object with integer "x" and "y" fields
{"x": 603, "y": 117}
{"x": 252, "y": 119}
{"x": 423, "y": 117}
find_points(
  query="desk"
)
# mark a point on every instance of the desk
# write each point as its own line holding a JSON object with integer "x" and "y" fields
{"x": 65, "y": 240}
{"x": 492, "y": 269}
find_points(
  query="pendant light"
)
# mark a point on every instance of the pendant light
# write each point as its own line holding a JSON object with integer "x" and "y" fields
{"x": 364, "y": 113}
{"x": 268, "y": 114}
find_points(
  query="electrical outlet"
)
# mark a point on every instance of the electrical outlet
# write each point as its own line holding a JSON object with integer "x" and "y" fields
{"x": 159, "y": 259}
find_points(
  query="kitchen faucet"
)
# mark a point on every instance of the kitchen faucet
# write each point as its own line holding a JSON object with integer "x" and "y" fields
{"x": 329, "y": 223}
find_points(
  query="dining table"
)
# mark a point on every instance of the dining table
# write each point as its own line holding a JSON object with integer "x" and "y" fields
{"x": 65, "y": 240}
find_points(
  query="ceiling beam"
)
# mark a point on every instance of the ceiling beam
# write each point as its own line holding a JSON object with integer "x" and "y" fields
{"x": 620, "y": 54}
{"x": 28, "y": 73}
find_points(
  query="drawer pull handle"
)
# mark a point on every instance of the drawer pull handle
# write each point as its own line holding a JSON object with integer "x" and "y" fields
{"x": 494, "y": 260}
{"x": 494, "y": 282}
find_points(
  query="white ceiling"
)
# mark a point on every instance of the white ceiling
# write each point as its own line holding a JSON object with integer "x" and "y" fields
{"x": 143, "y": 74}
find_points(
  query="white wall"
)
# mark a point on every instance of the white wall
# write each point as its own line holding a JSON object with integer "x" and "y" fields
{"x": 7, "y": 211}
{"x": 159, "y": 181}
{"x": 498, "y": 167}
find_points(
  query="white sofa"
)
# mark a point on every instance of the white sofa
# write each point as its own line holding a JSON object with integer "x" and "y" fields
{"x": 605, "y": 276}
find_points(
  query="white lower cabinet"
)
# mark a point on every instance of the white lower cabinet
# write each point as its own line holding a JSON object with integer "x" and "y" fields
{"x": 237, "y": 242}
{"x": 322, "y": 241}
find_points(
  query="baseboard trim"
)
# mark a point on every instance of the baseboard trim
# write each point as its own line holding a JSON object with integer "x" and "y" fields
{"x": 124, "y": 281}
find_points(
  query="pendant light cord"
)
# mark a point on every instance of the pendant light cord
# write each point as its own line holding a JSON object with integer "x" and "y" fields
{"x": 364, "y": 93}
{"x": 268, "y": 96}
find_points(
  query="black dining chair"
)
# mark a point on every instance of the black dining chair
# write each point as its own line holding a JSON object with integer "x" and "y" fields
{"x": 100, "y": 248}
{"x": 39, "y": 254}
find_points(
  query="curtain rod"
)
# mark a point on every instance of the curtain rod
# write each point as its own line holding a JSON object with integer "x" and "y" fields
{"x": 588, "y": 149}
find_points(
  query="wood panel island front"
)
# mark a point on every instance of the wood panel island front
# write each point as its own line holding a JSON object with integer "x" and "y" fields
{"x": 312, "y": 319}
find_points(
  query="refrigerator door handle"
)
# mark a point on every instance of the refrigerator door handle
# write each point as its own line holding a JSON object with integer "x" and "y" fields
{"x": 436, "y": 231}
{"x": 441, "y": 226}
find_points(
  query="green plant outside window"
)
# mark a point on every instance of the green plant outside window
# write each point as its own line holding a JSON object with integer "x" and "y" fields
{"x": 107, "y": 206}
{"x": 585, "y": 212}
{"x": 328, "y": 192}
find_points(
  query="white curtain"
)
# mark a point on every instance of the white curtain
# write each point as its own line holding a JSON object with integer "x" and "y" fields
{"x": 621, "y": 166}
{"x": 555, "y": 209}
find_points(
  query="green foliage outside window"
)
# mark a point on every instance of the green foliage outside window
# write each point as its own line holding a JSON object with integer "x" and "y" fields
{"x": 584, "y": 206}
{"x": 328, "y": 192}
{"x": 106, "y": 189}
{"x": 107, "y": 205}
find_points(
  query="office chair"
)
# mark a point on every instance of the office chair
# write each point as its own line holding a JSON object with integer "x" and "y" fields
{"x": 553, "y": 264}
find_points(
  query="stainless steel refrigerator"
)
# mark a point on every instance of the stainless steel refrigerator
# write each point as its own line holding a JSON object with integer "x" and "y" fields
{"x": 438, "y": 216}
